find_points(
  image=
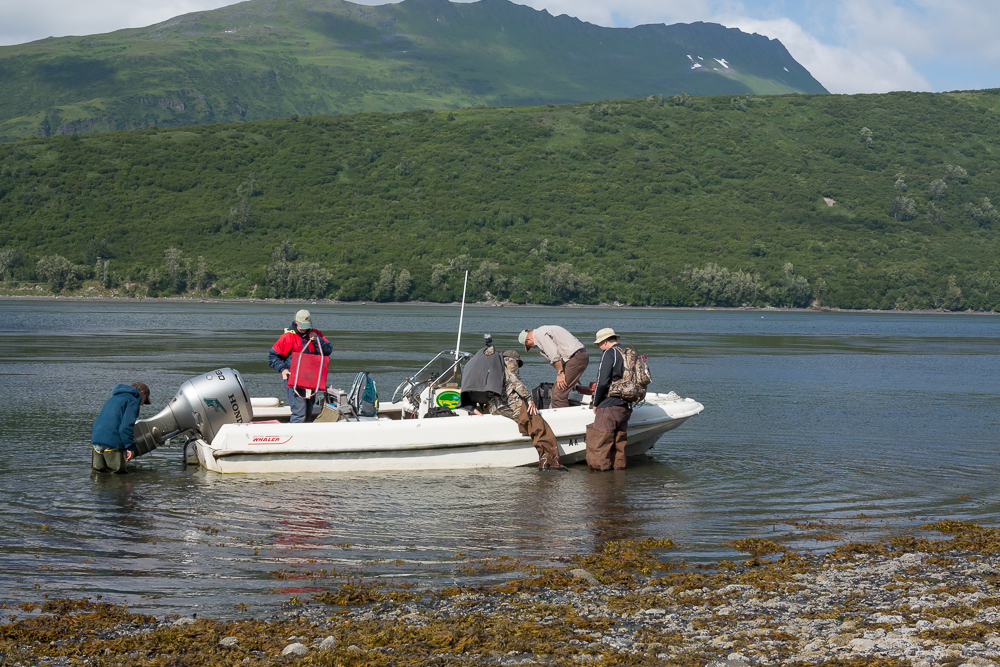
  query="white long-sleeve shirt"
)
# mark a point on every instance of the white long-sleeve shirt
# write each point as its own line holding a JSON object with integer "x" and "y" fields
{"x": 555, "y": 343}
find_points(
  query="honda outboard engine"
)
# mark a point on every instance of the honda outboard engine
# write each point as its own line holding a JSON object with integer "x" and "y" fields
{"x": 202, "y": 406}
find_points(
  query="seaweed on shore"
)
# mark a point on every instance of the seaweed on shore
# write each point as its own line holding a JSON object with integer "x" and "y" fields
{"x": 642, "y": 610}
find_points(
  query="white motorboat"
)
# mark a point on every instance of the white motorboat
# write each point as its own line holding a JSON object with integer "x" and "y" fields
{"x": 405, "y": 435}
{"x": 426, "y": 429}
{"x": 463, "y": 441}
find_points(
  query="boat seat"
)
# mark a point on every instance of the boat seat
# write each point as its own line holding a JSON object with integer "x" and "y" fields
{"x": 264, "y": 402}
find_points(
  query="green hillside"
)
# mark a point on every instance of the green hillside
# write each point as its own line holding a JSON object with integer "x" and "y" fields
{"x": 676, "y": 201}
{"x": 260, "y": 59}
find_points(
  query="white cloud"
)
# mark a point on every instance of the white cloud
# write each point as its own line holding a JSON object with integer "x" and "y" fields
{"x": 925, "y": 29}
{"x": 870, "y": 69}
{"x": 951, "y": 42}
{"x": 629, "y": 13}
{"x": 24, "y": 22}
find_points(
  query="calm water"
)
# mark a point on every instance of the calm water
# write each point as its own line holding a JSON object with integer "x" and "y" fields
{"x": 869, "y": 422}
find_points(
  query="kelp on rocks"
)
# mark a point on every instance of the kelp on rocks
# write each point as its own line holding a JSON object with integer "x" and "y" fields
{"x": 908, "y": 600}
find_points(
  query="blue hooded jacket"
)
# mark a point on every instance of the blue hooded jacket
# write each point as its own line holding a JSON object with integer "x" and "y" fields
{"x": 114, "y": 424}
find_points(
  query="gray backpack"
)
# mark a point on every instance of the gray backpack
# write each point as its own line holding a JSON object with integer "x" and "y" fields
{"x": 482, "y": 377}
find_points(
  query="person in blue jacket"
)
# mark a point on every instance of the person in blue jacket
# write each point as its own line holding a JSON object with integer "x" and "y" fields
{"x": 112, "y": 434}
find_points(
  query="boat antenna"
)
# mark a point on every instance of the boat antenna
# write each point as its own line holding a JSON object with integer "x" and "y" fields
{"x": 461, "y": 316}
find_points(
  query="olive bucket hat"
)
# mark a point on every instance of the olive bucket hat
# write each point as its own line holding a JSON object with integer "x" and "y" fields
{"x": 513, "y": 354}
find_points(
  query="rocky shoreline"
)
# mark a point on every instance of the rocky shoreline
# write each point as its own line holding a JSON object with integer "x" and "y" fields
{"x": 9, "y": 295}
{"x": 908, "y": 601}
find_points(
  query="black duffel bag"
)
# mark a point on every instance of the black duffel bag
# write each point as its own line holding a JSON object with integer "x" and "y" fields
{"x": 542, "y": 395}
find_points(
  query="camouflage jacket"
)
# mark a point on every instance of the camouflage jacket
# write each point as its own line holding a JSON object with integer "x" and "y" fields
{"x": 514, "y": 396}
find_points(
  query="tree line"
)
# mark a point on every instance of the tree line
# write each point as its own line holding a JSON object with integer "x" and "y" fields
{"x": 284, "y": 278}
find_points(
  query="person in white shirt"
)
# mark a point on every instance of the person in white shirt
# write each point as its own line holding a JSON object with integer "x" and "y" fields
{"x": 566, "y": 354}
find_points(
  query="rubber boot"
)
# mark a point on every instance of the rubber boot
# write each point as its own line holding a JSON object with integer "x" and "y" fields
{"x": 599, "y": 449}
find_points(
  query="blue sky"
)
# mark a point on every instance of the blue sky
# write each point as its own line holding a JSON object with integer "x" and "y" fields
{"x": 850, "y": 46}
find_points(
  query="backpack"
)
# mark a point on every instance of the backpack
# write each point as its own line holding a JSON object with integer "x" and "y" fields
{"x": 631, "y": 386}
{"x": 363, "y": 397}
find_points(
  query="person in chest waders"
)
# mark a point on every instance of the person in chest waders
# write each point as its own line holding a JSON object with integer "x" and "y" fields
{"x": 515, "y": 403}
{"x": 607, "y": 436}
{"x": 113, "y": 435}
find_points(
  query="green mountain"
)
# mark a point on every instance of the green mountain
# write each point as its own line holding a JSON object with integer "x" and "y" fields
{"x": 866, "y": 201}
{"x": 263, "y": 59}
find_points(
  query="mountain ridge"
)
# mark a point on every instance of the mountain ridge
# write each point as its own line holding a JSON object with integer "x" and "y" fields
{"x": 263, "y": 59}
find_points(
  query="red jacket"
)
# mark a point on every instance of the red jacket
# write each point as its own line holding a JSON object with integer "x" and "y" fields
{"x": 291, "y": 342}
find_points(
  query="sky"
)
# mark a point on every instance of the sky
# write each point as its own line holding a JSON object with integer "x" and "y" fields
{"x": 849, "y": 46}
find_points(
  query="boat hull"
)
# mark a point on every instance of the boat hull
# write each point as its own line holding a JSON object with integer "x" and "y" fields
{"x": 463, "y": 442}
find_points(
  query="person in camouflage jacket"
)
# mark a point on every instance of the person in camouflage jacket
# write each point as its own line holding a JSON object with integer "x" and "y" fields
{"x": 515, "y": 394}
{"x": 515, "y": 403}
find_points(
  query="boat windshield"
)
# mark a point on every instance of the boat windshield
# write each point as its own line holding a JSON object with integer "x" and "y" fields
{"x": 443, "y": 369}
{"x": 440, "y": 370}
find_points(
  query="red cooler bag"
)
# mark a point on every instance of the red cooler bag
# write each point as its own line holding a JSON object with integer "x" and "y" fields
{"x": 309, "y": 371}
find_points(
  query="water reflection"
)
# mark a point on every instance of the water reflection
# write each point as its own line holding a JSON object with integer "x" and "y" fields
{"x": 610, "y": 503}
{"x": 119, "y": 505}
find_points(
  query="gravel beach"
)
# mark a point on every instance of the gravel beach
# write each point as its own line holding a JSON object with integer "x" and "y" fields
{"x": 908, "y": 601}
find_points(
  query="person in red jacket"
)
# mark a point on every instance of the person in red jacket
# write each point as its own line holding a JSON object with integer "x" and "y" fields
{"x": 300, "y": 335}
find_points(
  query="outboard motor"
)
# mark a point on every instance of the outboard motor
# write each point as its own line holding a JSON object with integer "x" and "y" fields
{"x": 202, "y": 406}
